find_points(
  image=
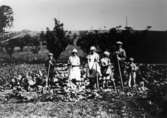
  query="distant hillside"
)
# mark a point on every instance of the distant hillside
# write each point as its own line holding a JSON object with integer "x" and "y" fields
{"x": 18, "y": 35}
{"x": 22, "y": 33}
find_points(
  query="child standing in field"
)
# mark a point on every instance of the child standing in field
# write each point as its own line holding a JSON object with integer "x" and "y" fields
{"x": 132, "y": 68}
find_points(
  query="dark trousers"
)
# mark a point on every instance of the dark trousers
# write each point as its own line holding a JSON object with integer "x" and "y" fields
{"x": 117, "y": 72}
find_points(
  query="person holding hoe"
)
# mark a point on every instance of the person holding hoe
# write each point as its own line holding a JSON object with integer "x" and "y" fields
{"x": 120, "y": 57}
{"x": 50, "y": 64}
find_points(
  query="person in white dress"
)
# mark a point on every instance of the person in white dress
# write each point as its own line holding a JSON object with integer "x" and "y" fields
{"x": 93, "y": 67}
{"x": 74, "y": 66}
{"x": 93, "y": 60}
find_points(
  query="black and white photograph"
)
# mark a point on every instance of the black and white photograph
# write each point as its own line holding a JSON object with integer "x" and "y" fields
{"x": 83, "y": 58}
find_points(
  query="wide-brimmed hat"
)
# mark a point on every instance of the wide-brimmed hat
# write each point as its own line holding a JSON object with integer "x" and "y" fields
{"x": 107, "y": 53}
{"x": 119, "y": 43}
{"x": 50, "y": 54}
{"x": 93, "y": 48}
{"x": 74, "y": 50}
{"x": 131, "y": 59}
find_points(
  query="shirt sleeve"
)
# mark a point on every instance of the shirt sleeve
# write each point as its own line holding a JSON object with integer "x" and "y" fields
{"x": 124, "y": 53}
{"x": 79, "y": 61}
{"x": 97, "y": 58}
{"x": 69, "y": 61}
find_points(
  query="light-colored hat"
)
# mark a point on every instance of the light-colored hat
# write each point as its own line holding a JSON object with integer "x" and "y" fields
{"x": 93, "y": 48}
{"x": 131, "y": 59}
{"x": 19, "y": 77}
{"x": 50, "y": 54}
{"x": 107, "y": 53}
{"x": 74, "y": 51}
{"x": 119, "y": 43}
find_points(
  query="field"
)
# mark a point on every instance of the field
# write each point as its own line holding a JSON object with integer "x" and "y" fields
{"x": 81, "y": 109}
{"x": 130, "y": 103}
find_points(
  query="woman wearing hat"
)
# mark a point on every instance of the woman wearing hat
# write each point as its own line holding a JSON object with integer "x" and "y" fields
{"x": 93, "y": 58}
{"x": 106, "y": 68}
{"x": 74, "y": 66}
{"x": 93, "y": 67}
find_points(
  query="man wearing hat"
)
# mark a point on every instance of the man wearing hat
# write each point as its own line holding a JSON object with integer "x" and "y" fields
{"x": 74, "y": 66}
{"x": 120, "y": 52}
{"x": 119, "y": 60}
{"x": 50, "y": 63}
{"x": 106, "y": 69}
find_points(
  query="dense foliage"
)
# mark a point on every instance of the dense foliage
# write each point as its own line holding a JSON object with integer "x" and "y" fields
{"x": 6, "y": 17}
{"x": 56, "y": 39}
{"x": 127, "y": 103}
{"x": 135, "y": 42}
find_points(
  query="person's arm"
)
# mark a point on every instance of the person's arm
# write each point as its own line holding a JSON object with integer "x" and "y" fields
{"x": 87, "y": 58}
{"x": 101, "y": 62}
{"x": 117, "y": 55}
{"x": 54, "y": 62}
{"x": 51, "y": 62}
{"x": 97, "y": 58}
{"x": 124, "y": 55}
{"x": 79, "y": 62}
{"x": 136, "y": 67}
{"x": 133, "y": 67}
{"x": 69, "y": 62}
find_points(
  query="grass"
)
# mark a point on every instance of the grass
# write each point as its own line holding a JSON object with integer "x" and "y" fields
{"x": 111, "y": 106}
{"x": 81, "y": 109}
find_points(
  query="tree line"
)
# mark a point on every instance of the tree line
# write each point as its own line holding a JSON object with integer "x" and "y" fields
{"x": 144, "y": 45}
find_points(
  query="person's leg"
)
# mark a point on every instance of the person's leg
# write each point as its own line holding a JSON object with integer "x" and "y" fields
{"x": 51, "y": 83}
{"x": 134, "y": 78}
{"x": 104, "y": 82}
{"x": 90, "y": 83}
{"x": 129, "y": 81}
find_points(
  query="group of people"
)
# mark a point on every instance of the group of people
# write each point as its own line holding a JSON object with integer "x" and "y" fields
{"x": 101, "y": 72}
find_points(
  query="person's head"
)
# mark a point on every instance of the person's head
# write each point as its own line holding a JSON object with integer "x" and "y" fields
{"x": 131, "y": 60}
{"x": 92, "y": 49}
{"x": 106, "y": 53}
{"x": 142, "y": 83}
{"x": 74, "y": 51}
{"x": 50, "y": 55}
{"x": 119, "y": 44}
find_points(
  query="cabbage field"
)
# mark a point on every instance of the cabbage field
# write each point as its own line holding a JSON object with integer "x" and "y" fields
{"x": 148, "y": 101}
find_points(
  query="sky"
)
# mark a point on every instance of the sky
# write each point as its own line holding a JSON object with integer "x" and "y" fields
{"x": 88, "y": 14}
